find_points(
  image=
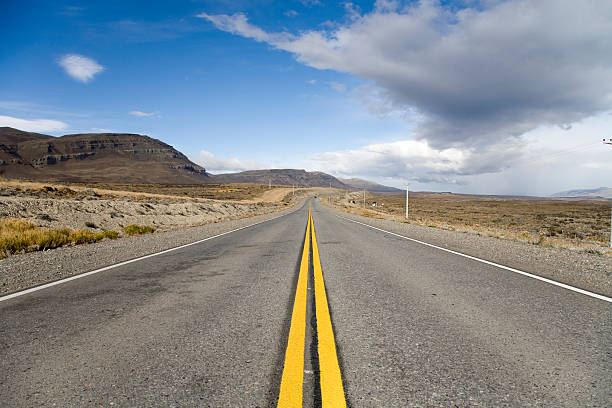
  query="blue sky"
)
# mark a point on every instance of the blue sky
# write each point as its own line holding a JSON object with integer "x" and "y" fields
{"x": 397, "y": 92}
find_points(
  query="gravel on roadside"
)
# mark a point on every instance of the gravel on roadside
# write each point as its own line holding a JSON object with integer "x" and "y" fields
{"x": 588, "y": 271}
{"x": 18, "y": 272}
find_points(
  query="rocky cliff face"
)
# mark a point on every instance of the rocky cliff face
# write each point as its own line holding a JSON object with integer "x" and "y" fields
{"x": 9, "y": 143}
{"x": 95, "y": 157}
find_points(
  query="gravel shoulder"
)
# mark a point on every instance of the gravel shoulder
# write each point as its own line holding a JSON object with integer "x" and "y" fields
{"x": 22, "y": 271}
{"x": 592, "y": 272}
{"x": 587, "y": 271}
{"x": 67, "y": 208}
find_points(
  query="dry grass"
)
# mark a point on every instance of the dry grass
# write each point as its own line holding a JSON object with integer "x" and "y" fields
{"x": 18, "y": 235}
{"x": 209, "y": 191}
{"x": 565, "y": 223}
{"x": 135, "y": 229}
{"x": 224, "y": 192}
{"x": 34, "y": 215}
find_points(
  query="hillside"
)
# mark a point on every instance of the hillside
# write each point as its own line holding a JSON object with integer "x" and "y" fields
{"x": 283, "y": 177}
{"x": 361, "y": 184}
{"x": 135, "y": 159}
{"x": 289, "y": 177}
{"x": 10, "y": 136}
{"x": 605, "y": 192}
{"x": 94, "y": 157}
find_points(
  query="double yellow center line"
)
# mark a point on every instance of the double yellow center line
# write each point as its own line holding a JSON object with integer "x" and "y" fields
{"x": 332, "y": 391}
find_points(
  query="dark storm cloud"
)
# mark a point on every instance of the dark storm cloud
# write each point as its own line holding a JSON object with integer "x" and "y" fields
{"x": 475, "y": 75}
{"x": 474, "y": 79}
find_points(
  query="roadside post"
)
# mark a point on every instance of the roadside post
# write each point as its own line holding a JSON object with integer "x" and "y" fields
{"x": 406, "y": 201}
{"x": 609, "y": 142}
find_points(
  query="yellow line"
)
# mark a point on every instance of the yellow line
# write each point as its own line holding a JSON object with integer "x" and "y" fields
{"x": 293, "y": 372}
{"x": 332, "y": 391}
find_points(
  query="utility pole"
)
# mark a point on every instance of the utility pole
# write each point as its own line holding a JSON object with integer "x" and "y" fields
{"x": 293, "y": 187}
{"x": 406, "y": 201}
{"x": 364, "y": 199}
{"x": 610, "y": 143}
{"x": 269, "y": 183}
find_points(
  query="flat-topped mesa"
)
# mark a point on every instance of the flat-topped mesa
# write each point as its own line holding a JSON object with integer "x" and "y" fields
{"x": 285, "y": 177}
{"x": 105, "y": 157}
{"x": 80, "y": 146}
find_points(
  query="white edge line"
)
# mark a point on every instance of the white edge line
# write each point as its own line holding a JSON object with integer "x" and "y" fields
{"x": 552, "y": 282}
{"x": 106, "y": 268}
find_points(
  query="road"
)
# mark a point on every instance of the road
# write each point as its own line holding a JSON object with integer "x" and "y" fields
{"x": 209, "y": 324}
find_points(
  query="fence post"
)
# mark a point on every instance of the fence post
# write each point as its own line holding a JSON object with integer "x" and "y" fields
{"x": 406, "y": 201}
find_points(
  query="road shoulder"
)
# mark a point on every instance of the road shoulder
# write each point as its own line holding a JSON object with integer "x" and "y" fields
{"x": 586, "y": 271}
{"x": 23, "y": 271}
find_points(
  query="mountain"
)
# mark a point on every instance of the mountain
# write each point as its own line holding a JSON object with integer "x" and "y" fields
{"x": 283, "y": 177}
{"x": 136, "y": 159}
{"x": 605, "y": 192}
{"x": 288, "y": 177}
{"x": 94, "y": 157}
{"x": 360, "y": 184}
{"x": 12, "y": 136}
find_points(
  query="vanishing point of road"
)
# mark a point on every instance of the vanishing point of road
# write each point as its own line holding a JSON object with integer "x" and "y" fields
{"x": 307, "y": 309}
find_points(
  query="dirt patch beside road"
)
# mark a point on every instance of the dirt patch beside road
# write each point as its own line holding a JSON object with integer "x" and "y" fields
{"x": 54, "y": 209}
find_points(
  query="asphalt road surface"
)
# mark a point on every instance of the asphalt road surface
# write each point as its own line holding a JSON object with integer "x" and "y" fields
{"x": 209, "y": 324}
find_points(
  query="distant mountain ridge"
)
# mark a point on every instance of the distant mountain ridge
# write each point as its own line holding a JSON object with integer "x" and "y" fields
{"x": 605, "y": 192}
{"x": 136, "y": 159}
{"x": 283, "y": 177}
{"x": 289, "y": 177}
{"x": 95, "y": 157}
{"x": 360, "y": 184}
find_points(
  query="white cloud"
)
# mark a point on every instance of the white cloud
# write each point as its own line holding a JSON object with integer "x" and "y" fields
{"x": 291, "y": 13}
{"x": 547, "y": 160}
{"x": 80, "y": 67}
{"x": 494, "y": 91}
{"x": 214, "y": 164}
{"x": 337, "y": 86}
{"x": 353, "y": 11}
{"x": 386, "y": 5}
{"x": 413, "y": 160}
{"x": 33, "y": 125}
{"x": 312, "y": 81}
{"x": 310, "y": 3}
{"x": 607, "y": 166}
{"x": 238, "y": 24}
{"x": 476, "y": 76}
{"x": 143, "y": 114}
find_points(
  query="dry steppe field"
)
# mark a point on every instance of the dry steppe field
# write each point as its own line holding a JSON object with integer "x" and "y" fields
{"x": 211, "y": 191}
{"x": 37, "y": 216}
{"x": 566, "y": 223}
